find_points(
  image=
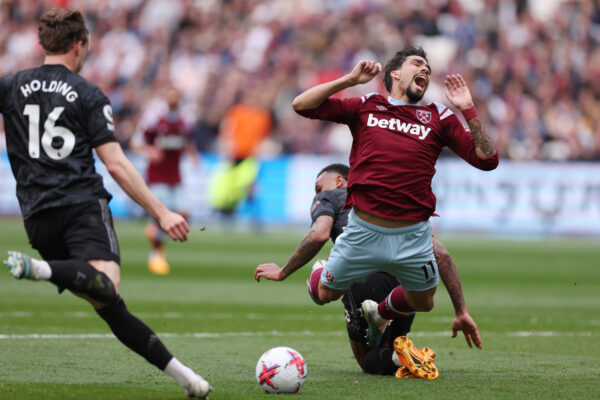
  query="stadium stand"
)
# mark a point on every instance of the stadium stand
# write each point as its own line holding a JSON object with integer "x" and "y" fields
{"x": 534, "y": 71}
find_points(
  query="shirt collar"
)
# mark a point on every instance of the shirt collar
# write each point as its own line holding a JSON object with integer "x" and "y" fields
{"x": 397, "y": 102}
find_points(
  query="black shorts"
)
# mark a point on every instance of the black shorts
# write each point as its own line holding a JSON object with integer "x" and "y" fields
{"x": 376, "y": 288}
{"x": 81, "y": 231}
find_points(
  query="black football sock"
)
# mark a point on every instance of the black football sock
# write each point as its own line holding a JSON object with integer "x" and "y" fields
{"x": 80, "y": 277}
{"x": 134, "y": 334}
{"x": 379, "y": 362}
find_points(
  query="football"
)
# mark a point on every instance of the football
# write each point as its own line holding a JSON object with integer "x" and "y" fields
{"x": 281, "y": 370}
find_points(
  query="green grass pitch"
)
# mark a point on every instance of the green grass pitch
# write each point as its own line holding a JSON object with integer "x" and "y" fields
{"x": 537, "y": 305}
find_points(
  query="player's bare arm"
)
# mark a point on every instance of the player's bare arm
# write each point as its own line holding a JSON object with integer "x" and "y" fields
{"x": 312, "y": 98}
{"x": 308, "y": 248}
{"x": 449, "y": 275}
{"x": 459, "y": 96}
{"x": 132, "y": 183}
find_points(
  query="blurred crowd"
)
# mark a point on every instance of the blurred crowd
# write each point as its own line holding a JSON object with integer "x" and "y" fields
{"x": 534, "y": 69}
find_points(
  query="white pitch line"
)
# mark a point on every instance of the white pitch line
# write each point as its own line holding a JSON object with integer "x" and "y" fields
{"x": 209, "y": 335}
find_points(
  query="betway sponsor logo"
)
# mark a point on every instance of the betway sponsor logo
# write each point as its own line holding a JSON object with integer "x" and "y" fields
{"x": 395, "y": 124}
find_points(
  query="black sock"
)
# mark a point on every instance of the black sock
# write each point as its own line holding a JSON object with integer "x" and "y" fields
{"x": 80, "y": 277}
{"x": 379, "y": 362}
{"x": 134, "y": 334}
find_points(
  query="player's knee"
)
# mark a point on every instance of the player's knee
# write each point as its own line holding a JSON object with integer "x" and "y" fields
{"x": 424, "y": 305}
{"x": 379, "y": 362}
{"x": 327, "y": 295}
{"x": 101, "y": 288}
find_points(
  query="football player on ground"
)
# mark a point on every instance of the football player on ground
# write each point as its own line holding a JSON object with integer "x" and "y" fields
{"x": 373, "y": 351}
{"x": 54, "y": 118}
{"x": 163, "y": 143}
{"x": 396, "y": 143}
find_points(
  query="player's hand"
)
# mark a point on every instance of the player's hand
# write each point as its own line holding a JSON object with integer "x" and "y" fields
{"x": 464, "y": 322}
{"x": 364, "y": 71}
{"x": 270, "y": 271}
{"x": 175, "y": 225}
{"x": 457, "y": 92}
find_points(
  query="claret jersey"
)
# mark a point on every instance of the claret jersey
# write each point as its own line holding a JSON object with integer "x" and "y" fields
{"x": 394, "y": 151}
{"x": 171, "y": 135}
{"x": 53, "y": 119}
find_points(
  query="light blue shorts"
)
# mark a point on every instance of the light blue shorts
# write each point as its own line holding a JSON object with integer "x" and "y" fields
{"x": 171, "y": 196}
{"x": 364, "y": 248}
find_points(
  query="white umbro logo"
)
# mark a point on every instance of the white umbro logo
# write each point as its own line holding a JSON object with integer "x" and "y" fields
{"x": 381, "y": 108}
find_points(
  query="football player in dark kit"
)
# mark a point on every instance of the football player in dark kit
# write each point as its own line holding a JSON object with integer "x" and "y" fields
{"x": 53, "y": 119}
{"x": 372, "y": 349}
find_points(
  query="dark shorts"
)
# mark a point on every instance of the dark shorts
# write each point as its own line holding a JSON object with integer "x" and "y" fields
{"x": 377, "y": 287}
{"x": 80, "y": 231}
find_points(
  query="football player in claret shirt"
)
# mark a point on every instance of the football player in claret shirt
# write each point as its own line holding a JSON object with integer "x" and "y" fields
{"x": 164, "y": 142}
{"x": 54, "y": 118}
{"x": 395, "y": 146}
{"x": 372, "y": 349}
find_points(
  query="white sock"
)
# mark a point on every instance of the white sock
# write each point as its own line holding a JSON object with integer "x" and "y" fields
{"x": 395, "y": 359}
{"x": 40, "y": 270}
{"x": 182, "y": 374}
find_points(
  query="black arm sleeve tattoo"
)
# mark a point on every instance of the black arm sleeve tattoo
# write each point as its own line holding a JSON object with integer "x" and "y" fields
{"x": 449, "y": 276}
{"x": 482, "y": 140}
{"x": 306, "y": 250}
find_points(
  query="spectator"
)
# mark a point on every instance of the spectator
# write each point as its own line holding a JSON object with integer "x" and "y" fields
{"x": 535, "y": 65}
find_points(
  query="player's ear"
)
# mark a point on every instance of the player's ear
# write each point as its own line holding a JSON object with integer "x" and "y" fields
{"x": 395, "y": 74}
{"x": 77, "y": 47}
{"x": 339, "y": 181}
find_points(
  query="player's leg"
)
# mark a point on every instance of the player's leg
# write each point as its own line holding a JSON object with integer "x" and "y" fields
{"x": 413, "y": 264}
{"x": 355, "y": 255}
{"x": 372, "y": 348}
{"x": 137, "y": 336}
{"x": 86, "y": 232}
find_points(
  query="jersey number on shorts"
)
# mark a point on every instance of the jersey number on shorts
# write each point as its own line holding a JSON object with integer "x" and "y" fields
{"x": 424, "y": 268}
{"x": 51, "y": 131}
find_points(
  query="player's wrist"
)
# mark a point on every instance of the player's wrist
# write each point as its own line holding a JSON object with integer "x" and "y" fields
{"x": 469, "y": 112}
{"x": 283, "y": 274}
{"x": 349, "y": 80}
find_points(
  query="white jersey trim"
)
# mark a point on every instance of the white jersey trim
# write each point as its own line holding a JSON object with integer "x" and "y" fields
{"x": 366, "y": 96}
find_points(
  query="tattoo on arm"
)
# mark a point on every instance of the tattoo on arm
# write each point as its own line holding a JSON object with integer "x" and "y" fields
{"x": 483, "y": 141}
{"x": 449, "y": 276}
{"x": 306, "y": 250}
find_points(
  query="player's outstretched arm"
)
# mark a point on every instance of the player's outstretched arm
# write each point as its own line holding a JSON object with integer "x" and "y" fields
{"x": 312, "y": 98}
{"x": 459, "y": 96}
{"x": 306, "y": 250}
{"x": 132, "y": 183}
{"x": 462, "y": 320}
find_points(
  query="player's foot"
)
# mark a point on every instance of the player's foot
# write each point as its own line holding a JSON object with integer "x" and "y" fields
{"x": 198, "y": 388}
{"x": 157, "y": 264}
{"x": 414, "y": 360}
{"x": 20, "y": 265}
{"x": 318, "y": 264}
{"x": 404, "y": 373}
{"x": 370, "y": 313}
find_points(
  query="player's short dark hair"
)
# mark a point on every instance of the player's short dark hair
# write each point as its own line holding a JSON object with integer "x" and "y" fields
{"x": 59, "y": 29}
{"x": 397, "y": 61}
{"x": 341, "y": 169}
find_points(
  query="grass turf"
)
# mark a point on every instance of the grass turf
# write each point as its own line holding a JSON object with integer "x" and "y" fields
{"x": 537, "y": 305}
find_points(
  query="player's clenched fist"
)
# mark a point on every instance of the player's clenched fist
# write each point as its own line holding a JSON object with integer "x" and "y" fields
{"x": 364, "y": 71}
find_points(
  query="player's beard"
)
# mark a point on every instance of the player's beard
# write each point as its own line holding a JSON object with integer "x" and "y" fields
{"x": 414, "y": 96}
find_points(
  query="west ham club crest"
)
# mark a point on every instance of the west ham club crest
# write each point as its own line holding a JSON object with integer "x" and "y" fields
{"x": 424, "y": 116}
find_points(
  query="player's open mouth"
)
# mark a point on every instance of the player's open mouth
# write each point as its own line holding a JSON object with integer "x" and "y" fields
{"x": 421, "y": 81}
